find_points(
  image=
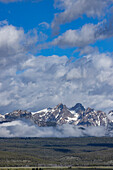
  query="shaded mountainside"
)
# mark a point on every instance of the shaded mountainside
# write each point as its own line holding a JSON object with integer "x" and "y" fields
{"x": 60, "y": 115}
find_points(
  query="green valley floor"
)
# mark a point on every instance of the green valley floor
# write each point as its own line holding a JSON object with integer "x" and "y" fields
{"x": 56, "y": 153}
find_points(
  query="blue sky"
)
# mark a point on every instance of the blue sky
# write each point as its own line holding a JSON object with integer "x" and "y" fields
{"x": 29, "y": 15}
{"x": 54, "y": 51}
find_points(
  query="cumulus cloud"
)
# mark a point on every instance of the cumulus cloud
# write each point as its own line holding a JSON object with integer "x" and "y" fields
{"x": 14, "y": 43}
{"x": 46, "y": 81}
{"x": 35, "y": 82}
{"x": 86, "y": 35}
{"x": 10, "y": 39}
{"x": 76, "y": 8}
{"x": 25, "y": 129}
{"x": 87, "y": 50}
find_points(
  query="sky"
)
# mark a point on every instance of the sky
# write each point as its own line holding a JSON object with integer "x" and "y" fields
{"x": 56, "y": 51}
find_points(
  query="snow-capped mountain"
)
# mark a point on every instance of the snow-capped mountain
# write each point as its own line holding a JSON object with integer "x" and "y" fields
{"x": 76, "y": 115}
{"x": 60, "y": 115}
{"x": 110, "y": 115}
{"x": 17, "y": 114}
{"x": 2, "y": 118}
{"x": 55, "y": 116}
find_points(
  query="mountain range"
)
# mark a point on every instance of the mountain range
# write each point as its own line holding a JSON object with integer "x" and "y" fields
{"x": 77, "y": 115}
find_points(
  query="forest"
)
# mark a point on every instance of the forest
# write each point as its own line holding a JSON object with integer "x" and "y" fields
{"x": 53, "y": 152}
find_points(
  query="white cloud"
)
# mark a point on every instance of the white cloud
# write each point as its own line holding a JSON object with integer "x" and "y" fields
{"x": 74, "y": 74}
{"x": 103, "y": 61}
{"x": 87, "y": 50}
{"x": 77, "y": 38}
{"x": 76, "y": 8}
{"x": 86, "y": 35}
{"x": 44, "y": 24}
{"x": 10, "y": 37}
{"x": 47, "y": 81}
{"x": 26, "y": 129}
{"x": 30, "y": 82}
{"x": 14, "y": 44}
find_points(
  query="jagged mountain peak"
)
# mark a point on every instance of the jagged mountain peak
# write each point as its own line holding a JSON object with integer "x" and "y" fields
{"x": 16, "y": 114}
{"x": 110, "y": 115}
{"x": 89, "y": 109}
{"x": 78, "y": 108}
{"x": 60, "y": 106}
{"x": 60, "y": 115}
{"x": 110, "y": 112}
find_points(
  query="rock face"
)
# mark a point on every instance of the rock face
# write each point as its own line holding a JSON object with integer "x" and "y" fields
{"x": 17, "y": 114}
{"x": 2, "y": 118}
{"x": 78, "y": 108}
{"x": 110, "y": 115}
{"x": 76, "y": 115}
{"x": 57, "y": 116}
{"x": 60, "y": 115}
{"x": 90, "y": 117}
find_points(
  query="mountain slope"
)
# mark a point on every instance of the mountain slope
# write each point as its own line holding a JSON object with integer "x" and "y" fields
{"x": 57, "y": 116}
{"x": 76, "y": 115}
{"x": 60, "y": 115}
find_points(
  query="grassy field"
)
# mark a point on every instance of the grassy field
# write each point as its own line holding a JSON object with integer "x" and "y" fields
{"x": 53, "y": 152}
{"x": 58, "y": 168}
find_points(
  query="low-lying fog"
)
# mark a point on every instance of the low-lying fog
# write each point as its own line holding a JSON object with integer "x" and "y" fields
{"x": 27, "y": 129}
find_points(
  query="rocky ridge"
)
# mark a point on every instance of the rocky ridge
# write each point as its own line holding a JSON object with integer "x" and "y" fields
{"x": 60, "y": 115}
